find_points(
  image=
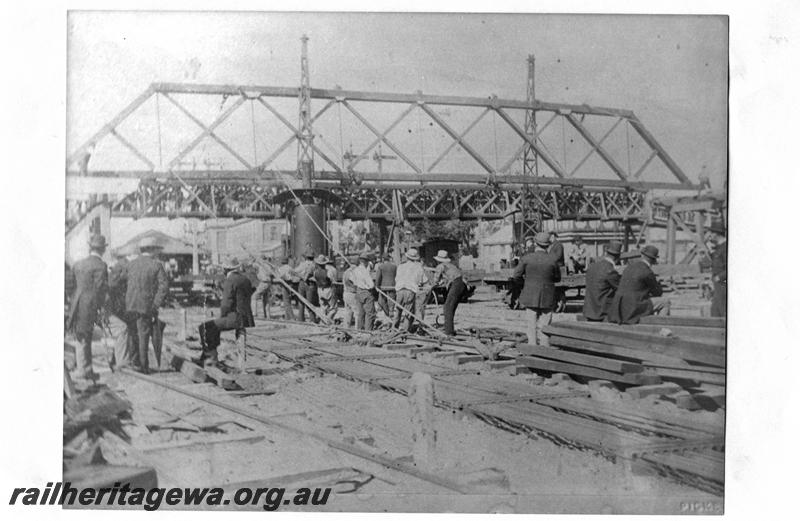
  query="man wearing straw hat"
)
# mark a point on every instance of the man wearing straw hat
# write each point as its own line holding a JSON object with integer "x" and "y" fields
{"x": 91, "y": 286}
{"x": 349, "y": 293}
{"x": 287, "y": 273}
{"x": 636, "y": 287}
{"x": 385, "y": 279}
{"x": 308, "y": 285}
{"x": 147, "y": 289}
{"x": 265, "y": 277}
{"x": 540, "y": 272}
{"x": 234, "y": 313}
{"x": 408, "y": 283}
{"x": 325, "y": 276}
{"x": 448, "y": 275}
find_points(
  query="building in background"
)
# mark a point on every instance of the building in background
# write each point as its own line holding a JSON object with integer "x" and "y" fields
{"x": 183, "y": 252}
{"x": 246, "y": 237}
{"x": 496, "y": 249}
{"x": 95, "y": 221}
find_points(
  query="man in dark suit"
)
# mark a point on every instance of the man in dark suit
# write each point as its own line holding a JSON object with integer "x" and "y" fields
{"x": 385, "y": 274}
{"x": 602, "y": 281}
{"x": 447, "y": 274}
{"x": 636, "y": 287}
{"x": 91, "y": 286}
{"x": 719, "y": 275}
{"x": 235, "y": 312}
{"x": 556, "y": 249}
{"x": 540, "y": 272}
{"x": 147, "y": 288}
{"x": 126, "y": 346}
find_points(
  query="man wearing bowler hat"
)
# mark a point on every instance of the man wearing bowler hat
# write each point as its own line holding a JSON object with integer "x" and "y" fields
{"x": 448, "y": 275}
{"x": 633, "y": 299}
{"x": 540, "y": 271}
{"x": 91, "y": 286}
{"x": 234, "y": 311}
{"x": 602, "y": 281}
{"x": 147, "y": 289}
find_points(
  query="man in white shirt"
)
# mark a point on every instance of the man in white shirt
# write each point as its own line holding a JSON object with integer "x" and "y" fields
{"x": 578, "y": 255}
{"x": 365, "y": 289}
{"x": 408, "y": 283}
{"x": 349, "y": 293}
{"x": 263, "y": 291}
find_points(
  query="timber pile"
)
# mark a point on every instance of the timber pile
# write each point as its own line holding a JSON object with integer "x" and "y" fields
{"x": 92, "y": 416}
{"x": 688, "y": 353}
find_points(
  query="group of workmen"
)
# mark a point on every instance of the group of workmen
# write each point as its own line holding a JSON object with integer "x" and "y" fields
{"x": 370, "y": 283}
{"x": 609, "y": 296}
{"x": 621, "y": 298}
{"x": 132, "y": 290}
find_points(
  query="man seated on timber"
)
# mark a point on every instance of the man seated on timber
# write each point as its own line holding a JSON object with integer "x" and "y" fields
{"x": 637, "y": 287}
{"x": 578, "y": 256}
{"x": 235, "y": 312}
{"x": 602, "y": 281}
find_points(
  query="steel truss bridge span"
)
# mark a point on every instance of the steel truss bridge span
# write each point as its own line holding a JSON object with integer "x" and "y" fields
{"x": 595, "y": 182}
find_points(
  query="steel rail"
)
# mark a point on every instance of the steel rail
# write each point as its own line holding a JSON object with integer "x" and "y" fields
{"x": 338, "y": 445}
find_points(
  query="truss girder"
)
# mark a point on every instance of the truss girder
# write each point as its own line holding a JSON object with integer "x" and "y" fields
{"x": 455, "y": 136}
{"x": 180, "y": 198}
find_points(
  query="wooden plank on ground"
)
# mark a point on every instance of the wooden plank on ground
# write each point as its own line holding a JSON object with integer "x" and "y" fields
{"x": 678, "y": 348}
{"x": 581, "y": 370}
{"x": 715, "y": 322}
{"x": 599, "y": 362}
{"x": 688, "y": 374}
{"x": 652, "y": 334}
{"x": 222, "y": 378}
{"x": 706, "y": 335}
{"x": 621, "y": 352}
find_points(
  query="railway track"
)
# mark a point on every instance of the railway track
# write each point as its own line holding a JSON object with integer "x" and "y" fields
{"x": 692, "y": 457}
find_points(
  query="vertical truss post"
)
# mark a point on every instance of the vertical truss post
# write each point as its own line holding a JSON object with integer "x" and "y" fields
{"x": 305, "y": 148}
{"x": 671, "y": 232}
{"x": 530, "y": 164}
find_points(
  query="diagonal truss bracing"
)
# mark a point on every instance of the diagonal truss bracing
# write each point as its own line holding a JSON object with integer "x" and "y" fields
{"x": 581, "y": 191}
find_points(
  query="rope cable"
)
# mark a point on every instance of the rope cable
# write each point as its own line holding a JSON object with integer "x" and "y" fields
{"x": 158, "y": 124}
{"x": 253, "y": 121}
{"x": 338, "y": 252}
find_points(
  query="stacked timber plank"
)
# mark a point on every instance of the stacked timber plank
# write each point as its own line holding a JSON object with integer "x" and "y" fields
{"x": 688, "y": 351}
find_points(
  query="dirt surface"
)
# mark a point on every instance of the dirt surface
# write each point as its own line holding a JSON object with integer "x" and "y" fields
{"x": 192, "y": 443}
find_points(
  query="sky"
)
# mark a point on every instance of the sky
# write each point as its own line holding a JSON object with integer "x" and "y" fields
{"x": 672, "y": 71}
